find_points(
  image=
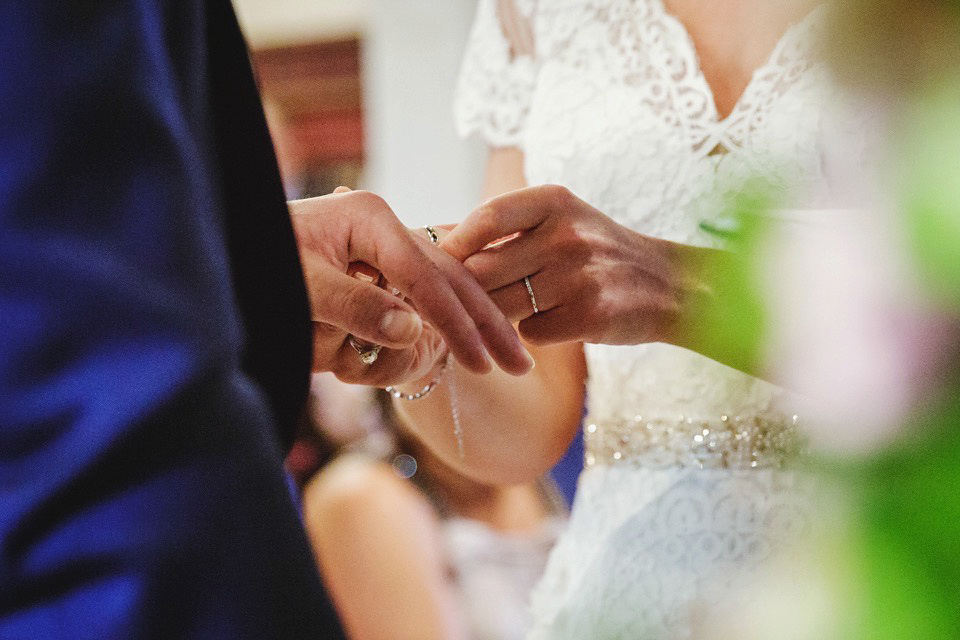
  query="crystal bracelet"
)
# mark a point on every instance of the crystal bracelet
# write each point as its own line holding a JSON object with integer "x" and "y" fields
{"x": 454, "y": 404}
{"x": 400, "y": 395}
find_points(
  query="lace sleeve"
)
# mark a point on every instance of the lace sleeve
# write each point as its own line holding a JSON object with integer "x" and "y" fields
{"x": 498, "y": 73}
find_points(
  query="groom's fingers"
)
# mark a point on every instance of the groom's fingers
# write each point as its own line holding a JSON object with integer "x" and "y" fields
{"x": 503, "y": 216}
{"x": 381, "y": 240}
{"x": 498, "y": 334}
{"x": 359, "y": 307}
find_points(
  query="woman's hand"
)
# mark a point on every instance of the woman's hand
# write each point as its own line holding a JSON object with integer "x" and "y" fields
{"x": 593, "y": 279}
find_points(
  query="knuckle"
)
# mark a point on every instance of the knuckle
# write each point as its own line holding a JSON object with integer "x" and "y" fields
{"x": 419, "y": 286}
{"x": 561, "y": 196}
{"x": 376, "y": 213}
{"x": 371, "y": 200}
{"x": 572, "y": 243}
{"x": 487, "y": 216}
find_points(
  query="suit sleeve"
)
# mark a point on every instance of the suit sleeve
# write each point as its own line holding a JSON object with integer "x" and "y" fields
{"x": 141, "y": 493}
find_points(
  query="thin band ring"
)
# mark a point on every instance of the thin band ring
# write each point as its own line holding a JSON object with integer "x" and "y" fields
{"x": 432, "y": 234}
{"x": 368, "y": 354}
{"x": 533, "y": 298}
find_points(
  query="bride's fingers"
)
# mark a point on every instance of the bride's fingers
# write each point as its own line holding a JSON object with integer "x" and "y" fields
{"x": 561, "y": 324}
{"x": 502, "y": 264}
{"x": 505, "y": 215}
{"x": 363, "y": 272}
{"x": 515, "y": 302}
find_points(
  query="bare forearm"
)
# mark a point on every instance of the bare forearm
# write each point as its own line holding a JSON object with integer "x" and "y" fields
{"x": 513, "y": 429}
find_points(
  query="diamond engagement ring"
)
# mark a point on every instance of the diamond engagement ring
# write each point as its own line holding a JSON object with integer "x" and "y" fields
{"x": 368, "y": 353}
{"x": 533, "y": 298}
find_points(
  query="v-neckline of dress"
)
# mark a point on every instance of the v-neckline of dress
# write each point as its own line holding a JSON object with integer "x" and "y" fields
{"x": 785, "y": 39}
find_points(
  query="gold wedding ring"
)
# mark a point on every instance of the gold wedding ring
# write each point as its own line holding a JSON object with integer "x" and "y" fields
{"x": 533, "y": 298}
{"x": 368, "y": 353}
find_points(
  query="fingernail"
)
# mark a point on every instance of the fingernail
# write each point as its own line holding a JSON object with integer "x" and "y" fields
{"x": 533, "y": 363}
{"x": 401, "y": 326}
{"x": 363, "y": 277}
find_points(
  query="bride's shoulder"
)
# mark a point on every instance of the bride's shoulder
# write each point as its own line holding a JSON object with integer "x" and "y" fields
{"x": 559, "y": 19}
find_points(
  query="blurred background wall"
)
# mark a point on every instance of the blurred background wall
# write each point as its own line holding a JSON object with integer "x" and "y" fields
{"x": 360, "y": 92}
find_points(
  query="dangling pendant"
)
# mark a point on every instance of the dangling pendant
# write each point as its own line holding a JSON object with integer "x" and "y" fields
{"x": 455, "y": 412}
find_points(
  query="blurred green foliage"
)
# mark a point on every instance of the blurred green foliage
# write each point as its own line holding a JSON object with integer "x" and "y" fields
{"x": 731, "y": 324}
{"x": 904, "y": 545}
{"x": 907, "y": 497}
{"x": 900, "y": 541}
{"x": 930, "y": 161}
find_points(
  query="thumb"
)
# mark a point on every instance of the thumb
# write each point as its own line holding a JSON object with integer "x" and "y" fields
{"x": 365, "y": 310}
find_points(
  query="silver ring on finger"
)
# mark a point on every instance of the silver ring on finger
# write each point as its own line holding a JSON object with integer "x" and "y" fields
{"x": 533, "y": 298}
{"x": 368, "y": 353}
{"x": 432, "y": 234}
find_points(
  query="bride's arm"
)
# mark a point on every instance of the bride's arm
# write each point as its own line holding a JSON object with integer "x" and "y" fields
{"x": 514, "y": 429}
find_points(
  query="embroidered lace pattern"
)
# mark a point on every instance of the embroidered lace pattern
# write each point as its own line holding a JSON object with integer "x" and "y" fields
{"x": 610, "y": 102}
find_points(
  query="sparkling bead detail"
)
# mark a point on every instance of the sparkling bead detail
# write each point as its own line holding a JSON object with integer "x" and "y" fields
{"x": 425, "y": 391}
{"x": 727, "y": 442}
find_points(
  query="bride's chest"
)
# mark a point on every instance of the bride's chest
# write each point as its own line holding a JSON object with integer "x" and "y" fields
{"x": 622, "y": 115}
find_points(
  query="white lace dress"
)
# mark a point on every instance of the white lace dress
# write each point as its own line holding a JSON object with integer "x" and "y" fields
{"x": 683, "y": 494}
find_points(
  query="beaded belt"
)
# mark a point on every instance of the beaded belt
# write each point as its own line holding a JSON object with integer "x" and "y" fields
{"x": 726, "y": 442}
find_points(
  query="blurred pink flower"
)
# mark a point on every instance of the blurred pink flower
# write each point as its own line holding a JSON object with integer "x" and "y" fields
{"x": 851, "y": 329}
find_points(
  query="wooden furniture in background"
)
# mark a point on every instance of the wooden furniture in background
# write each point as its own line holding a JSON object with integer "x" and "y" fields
{"x": 313, "y": 96}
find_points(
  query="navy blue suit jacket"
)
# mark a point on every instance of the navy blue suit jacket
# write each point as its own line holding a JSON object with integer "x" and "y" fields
{"x": 154, "y": 333}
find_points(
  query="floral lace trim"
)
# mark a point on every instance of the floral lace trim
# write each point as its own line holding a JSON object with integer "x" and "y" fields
{"x": 498, "y": 74}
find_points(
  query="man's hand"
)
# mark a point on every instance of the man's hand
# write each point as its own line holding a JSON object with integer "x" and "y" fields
{"x": 337, "y": 231}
